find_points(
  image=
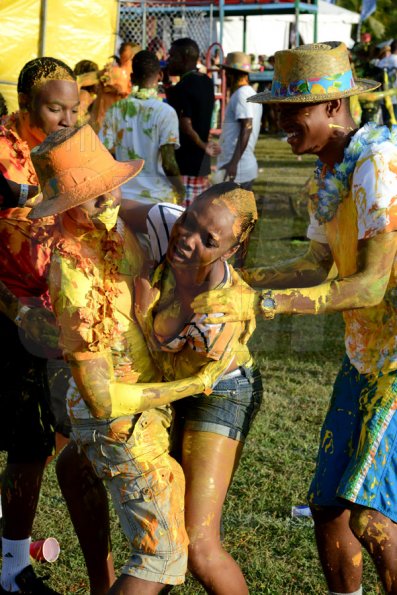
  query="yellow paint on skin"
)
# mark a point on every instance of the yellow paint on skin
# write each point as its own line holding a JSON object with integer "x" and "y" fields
{"x": 339, "y": 126}
{"x": 382, "y": 532}
{"x": 109, "y": 216}
{"x": 208, "y": 520}
{"x": 357, "y": 559}
{"x": 311, "y": 299}
{"x": 241, "y": 203}
{"x": 389, "y": 581}
{"x": 361, "y": 523}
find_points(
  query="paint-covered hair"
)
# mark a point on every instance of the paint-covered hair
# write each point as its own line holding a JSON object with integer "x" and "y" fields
{"x": 40, "y": 70}
{"x": 240, "y": 202}
{"x": 85, "y": 66}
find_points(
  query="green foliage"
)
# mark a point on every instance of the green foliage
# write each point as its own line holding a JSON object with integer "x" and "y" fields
{"x": 382, "y": 23}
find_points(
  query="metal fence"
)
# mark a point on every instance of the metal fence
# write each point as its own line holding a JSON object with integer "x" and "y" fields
{"x": 155, "y": 25}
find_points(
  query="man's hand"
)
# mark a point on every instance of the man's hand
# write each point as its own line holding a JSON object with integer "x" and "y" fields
{"x": 237, "y": 303}
{"x": 39, "y": 325}
{"x": 213, "y": 149}
{"x": 230, "y": 170}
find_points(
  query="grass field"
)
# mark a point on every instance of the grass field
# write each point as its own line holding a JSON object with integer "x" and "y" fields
{"x": 299, "y": 358}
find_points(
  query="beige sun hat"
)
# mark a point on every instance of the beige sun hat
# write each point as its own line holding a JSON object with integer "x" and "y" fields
{"x": 313, "y": 73}
{"x": 238, "y": 61}
{"x": 73, "y": 166}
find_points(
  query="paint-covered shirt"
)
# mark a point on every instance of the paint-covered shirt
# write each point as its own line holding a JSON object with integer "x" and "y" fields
{"x": 136, "y": 129}
{"x": 370, "y": 209}
{"x": 91, "y": 285}
{"x": 197, "y": 342}
{"x": 25, "y": 245}
{"x": 15, "y": 162}
{"x": 25, "y": 250}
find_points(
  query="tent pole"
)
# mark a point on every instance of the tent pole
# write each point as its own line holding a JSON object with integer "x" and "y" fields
{"x": 43, "y": 27}
{"x": 211, "y": 21}
{"x": 315, "y": 27}
{"x": 117, "y": 26}
{"x": 296, "y": 22}
{"x": 143, "y": 4}
{"x": 221, "y": 16}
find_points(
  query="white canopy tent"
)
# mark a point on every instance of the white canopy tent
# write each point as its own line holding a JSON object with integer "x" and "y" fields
{"x": 268, "y": 33}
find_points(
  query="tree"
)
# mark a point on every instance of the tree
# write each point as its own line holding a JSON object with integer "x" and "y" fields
{"x": 382, "y": 24}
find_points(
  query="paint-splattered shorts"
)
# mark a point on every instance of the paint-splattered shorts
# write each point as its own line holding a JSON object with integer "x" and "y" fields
{"x": 147, "y": 488}
{"x": 357, "y": 459}
{"x": 228, "y": 411}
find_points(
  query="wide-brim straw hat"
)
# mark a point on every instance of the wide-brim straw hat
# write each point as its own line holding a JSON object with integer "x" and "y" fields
{"x": 237, "y": 61}
{"x": 73, "y": 166}
{"x": 313, "y": 73}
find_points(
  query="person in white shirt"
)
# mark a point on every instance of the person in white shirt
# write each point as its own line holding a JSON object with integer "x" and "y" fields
{"x": 390, "y": 64}
{"x": 241, "y": 126}
{"x": 142, "y": 126}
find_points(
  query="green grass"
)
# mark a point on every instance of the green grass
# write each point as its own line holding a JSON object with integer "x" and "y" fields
{"x": 299, "y": 358}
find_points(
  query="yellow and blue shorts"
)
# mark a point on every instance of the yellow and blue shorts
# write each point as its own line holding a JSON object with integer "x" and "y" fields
{"x": 357, "y": 459}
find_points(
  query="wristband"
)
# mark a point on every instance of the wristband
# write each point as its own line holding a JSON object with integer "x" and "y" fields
{"x": 23, "y": 194}
{"x": 268, "y": 304}
{"x": 22, "y": 310}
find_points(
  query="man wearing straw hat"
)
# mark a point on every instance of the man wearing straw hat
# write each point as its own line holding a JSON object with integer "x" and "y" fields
{"x": 95, "y": 260}
{"x": 353, "y": 223}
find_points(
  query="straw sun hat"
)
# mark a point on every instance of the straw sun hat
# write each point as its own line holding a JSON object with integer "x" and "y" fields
{"x": 73, "y": 166}
{"x": 237, "y": 61}
{"x": 313, "y": 73}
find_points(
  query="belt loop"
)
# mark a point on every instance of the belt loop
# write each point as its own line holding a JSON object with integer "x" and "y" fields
{"x": 247, "y": 373}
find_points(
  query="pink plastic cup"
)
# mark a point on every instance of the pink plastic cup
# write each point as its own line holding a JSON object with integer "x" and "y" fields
{"x": 45, "y": 550}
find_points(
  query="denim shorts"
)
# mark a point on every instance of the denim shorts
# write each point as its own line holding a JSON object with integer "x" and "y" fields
{"x": 147, "y": 487}
{"x": 358, "y": 444}
{"x": 228, "y": 411}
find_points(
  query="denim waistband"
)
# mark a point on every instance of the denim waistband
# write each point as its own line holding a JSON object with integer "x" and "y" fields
{"x": 247, "y": 372}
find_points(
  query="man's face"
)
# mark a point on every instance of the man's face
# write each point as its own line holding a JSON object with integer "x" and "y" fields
{"x": 176, "y": 62}
{"x": 307, "y": 126}
{"x": 55, "y": 105}
{"x": 103, "y": 210}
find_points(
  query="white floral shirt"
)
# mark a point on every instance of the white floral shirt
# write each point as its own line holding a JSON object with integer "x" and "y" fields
{"x": 371, "y": 333}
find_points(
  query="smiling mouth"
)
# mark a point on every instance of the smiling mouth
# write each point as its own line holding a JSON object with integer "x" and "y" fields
{"x": 292, "y": 135}
{"x": 179, "y": 254}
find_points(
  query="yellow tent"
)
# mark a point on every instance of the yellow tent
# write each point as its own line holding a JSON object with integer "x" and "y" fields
{"x": 71, "y": 31}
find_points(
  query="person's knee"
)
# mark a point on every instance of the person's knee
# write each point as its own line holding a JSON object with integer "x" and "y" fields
{"x": 327, "y": 514}
{"x": 369, "y": 526}
{"x": 201, "y": 553}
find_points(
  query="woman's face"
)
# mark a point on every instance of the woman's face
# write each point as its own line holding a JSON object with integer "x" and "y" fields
{"x": 55, "y": 105}
{"x": 202, "y": 235}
